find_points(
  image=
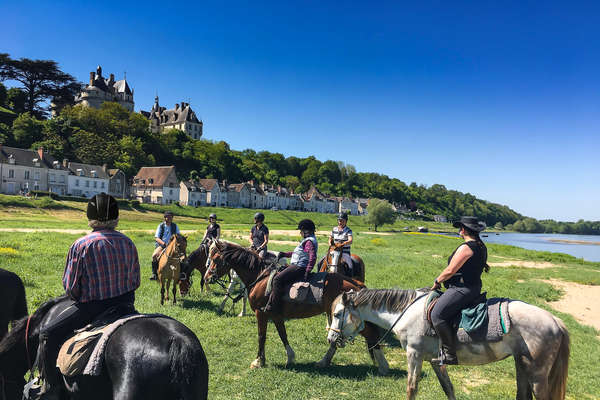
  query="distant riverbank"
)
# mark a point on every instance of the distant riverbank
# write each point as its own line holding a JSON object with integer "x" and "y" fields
{"x": 573, "y": 241}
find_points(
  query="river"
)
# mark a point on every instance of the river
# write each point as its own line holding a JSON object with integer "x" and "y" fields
{"x": 551, "y": 242}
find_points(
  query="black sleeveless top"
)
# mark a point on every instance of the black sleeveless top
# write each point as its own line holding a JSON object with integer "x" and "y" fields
{"x": 211, "y": 231}
{"x": 470, "y": 273}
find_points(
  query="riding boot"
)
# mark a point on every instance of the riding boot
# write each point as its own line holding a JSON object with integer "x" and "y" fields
{"x": 48, "y": 372}
{"x": 448, "y": 345}
{"x": 154, "y": 270}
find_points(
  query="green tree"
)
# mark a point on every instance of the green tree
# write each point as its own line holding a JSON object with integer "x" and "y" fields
{"x": 3, "y": 94}
{"x": 27, "y": 130}
{"x": 499, "y": 225}
{"x": 16, "y": 99}
{"x": 380, "y": 212}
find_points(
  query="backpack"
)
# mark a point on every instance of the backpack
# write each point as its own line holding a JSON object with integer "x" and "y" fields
{"x": 162, "y": 229}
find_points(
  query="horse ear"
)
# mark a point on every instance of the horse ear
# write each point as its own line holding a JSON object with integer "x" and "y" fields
{"x": 344, "y": 298}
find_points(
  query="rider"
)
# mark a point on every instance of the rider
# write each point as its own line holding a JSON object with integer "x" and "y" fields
{"x": 259, "y": 235}
{"x": 302, "y": 261}
{"x": 341, "y": 236}
{"x": 102, "y": 271}
{"x": 213, "y": 230}
{"x": 462, "y": 279}
{"x": 163, "y": 234}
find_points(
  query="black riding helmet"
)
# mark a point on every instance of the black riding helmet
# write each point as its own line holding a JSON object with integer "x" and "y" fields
{"x": 212, "y": 216}
{"x": 343, "y": 216}
{"x": 306, "y": 224}
{"x": 102, "y": 207}
{"x": 259, "y": 216}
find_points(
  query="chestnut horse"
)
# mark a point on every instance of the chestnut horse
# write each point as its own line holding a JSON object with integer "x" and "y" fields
{"x": 169, "y": 266}
{"x": 333, "y": 262}
{"x": 251, "y": 270}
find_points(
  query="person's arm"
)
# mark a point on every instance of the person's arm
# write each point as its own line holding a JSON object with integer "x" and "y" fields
{"x": 458, "y": 260}
{"x": 262, "y": 246}
{"x": 331, "y": 239}
{"x": 72, "y": 273}
{"x": 205, "y": 234}
{"x": 309, "y": 247}
{"x": 218, "y": 233}
{"x": 347, "y": 242}
{"x": 157, "y": 237}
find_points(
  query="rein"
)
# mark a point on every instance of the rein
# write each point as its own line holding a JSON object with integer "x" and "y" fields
{"x": 397, "y": 320}
{"x": 27, "y": 346}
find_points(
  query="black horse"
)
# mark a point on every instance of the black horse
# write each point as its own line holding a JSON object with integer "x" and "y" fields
{"x": 12, "y": 298}
{"x": 146, "y": 358}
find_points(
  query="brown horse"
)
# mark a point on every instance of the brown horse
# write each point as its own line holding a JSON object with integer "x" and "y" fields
{"x": 169, "y": 266}
{"x": 251, "y": 270}
{"x": 195, "y": 261}
{"x": 332, "y": 262}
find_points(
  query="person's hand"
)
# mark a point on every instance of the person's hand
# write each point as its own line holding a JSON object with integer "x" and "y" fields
{"x": 436, "y": 285}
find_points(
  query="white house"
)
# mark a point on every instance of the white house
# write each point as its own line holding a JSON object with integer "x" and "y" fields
{"x": 216, "y": 195}
{"x": 192, "y": 194}
{"x": 86, "y": 180}
{"x": 156, "y": 185}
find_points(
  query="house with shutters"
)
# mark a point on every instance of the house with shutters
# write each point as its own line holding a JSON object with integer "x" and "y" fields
{"x": 216, "y": 195}
{"x": 158, "y": 185}
{"x": 86, "y": 180}
{"x": 192, "y": 193}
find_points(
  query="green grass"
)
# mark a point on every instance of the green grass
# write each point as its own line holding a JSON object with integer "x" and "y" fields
{"x": 230, "y": 343}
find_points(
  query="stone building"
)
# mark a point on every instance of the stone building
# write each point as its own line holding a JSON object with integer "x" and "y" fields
{"x": 101, "y": 89}
{"x": 86, "y": 180}
{"x": 157, "y": 185}
{"x": 180, "y": 117}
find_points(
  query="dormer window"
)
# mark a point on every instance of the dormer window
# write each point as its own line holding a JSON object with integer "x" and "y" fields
{"x": 150, "y": 181}
{"x": 36, "y": 162}
{"x": 79, "y": 171}
{"x": 11, "y": 159}
{"x": 55, "y": 165}
{"x": 94, "y": 174}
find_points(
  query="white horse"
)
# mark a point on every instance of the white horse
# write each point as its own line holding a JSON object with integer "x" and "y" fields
{"x": 538, "y": 341}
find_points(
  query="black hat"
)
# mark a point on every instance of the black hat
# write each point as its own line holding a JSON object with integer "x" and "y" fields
{"x": 471, "y": 223}
{"x": 259, "y": 216}
{"x": 343, "y": 215}
{"x": 306, "y": 224}
{"x": 102, "y": 207}
{"x": 167, "y": 213}
{"x": 213, "y": 216}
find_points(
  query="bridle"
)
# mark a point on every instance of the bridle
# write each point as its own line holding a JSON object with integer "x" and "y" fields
{"x": 341, "y": 339}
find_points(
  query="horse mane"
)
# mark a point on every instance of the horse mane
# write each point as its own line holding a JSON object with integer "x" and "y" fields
{"x": 17, "y": 333}
{"x": 195, "y": 254}
{"x": 395, "y": 300}
{"x": 233, "y": 253}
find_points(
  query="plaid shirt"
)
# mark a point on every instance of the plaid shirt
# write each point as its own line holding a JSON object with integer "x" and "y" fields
{"x": 101, "y": 265}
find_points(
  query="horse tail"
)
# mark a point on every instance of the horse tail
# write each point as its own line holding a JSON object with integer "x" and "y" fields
{"x": 361, "y": 268}
{"x": 560, "y": 369}
{"x": 189, "y": 368}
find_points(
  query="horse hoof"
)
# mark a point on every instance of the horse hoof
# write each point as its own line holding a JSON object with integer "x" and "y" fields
{"x": 241, "y": 314}
{"x": 383, "y": 371}
{"x": 321, "y": 364}
{"x": 258, "y": 363}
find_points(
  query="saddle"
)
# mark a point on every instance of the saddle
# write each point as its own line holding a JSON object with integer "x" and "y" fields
{"x": 76, "y": 352}
{"x": 304, "y": 292}
{"x": 483, "y": 320}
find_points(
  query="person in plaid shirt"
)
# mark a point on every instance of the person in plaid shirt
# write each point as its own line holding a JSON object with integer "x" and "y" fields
{"x": 102, "y": 271}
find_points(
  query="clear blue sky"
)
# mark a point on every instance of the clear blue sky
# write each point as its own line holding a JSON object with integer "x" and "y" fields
{"x": 499, "y": 100}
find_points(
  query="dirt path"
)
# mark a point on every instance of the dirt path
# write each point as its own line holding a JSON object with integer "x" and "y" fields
{"x": 581, "y": 301}
{"x": 82, "y": 231}
{"x": 526, "y": 264}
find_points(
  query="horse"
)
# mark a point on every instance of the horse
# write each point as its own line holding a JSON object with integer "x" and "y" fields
{"x": 169, "y": 266}
{"x": 146, "y": 358}
{"x": 538, "y": 341}
{"x": 197, "y": 260}
{"x": 251, "y": 270}
{"x": 332, "y": 262}
{"x": 12, "y": 298}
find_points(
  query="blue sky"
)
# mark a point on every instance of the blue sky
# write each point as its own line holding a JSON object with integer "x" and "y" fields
{"x": 499, "y": 100}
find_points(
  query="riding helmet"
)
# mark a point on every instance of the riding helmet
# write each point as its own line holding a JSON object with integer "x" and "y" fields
{"x": 306, "y": 224}
{"x": 259, "y": 216}
{"x": 212, "y": 216}
{"x": 343, "y": 216}
{"x": 102, "y": 207}
{"x": 168, "y": 213}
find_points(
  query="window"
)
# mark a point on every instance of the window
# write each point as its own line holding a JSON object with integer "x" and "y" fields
{"x": 62, "y": 179}
{"x": 95, "y": 184}
{"x": 36, "y": 175}
{"x": 76, "y": 182}
{"x": 52, "y": 177}
{"x": 87, "y": 183}
{"x": 26, "y": 174}
{"x": 11, "y": 173}
{"x": 102, "y": 185}
{"x": 171, "y": 191}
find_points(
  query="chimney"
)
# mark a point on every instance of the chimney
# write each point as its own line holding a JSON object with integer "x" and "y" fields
{"x": 112, "y": 78}
{"x": 104, "y": 166}
{"x": 41, "y": 153}
{"x": 176, "y": 106}
{"x": 65, "y": 163}
{"x": 92, "y": 78}
{"x": 182, "y": 105}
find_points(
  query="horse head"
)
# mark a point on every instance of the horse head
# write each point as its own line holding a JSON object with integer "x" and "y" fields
{"x": 334, "y": 256}
{"x": 346, "y": 321}
{"x": 215, "y": 267}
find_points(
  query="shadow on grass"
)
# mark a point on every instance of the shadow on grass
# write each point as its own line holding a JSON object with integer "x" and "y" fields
{"x": 199, "y": 304}
{"x": 356, "y": 372}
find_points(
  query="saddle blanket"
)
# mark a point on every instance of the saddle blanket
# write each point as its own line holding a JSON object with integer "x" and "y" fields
{"x": 303, "y": 292}
{"x": 83, "y": 353}
{"x": 484, "y": 322}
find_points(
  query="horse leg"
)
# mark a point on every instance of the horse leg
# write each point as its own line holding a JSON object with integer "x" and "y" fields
{"x": 291, "y": 356}
{"x": 444, "y": 379}
{"x": 371, "y": 335}
{"x": 326, "y": 360}
{"x": 261, "y": 322}
{"x": 244, "y": 299}
{"x": 167, "y": 289}
{"x": 415, "y": 363}
{"x": 174, "y": 292}
{"x": 523, "y": 386}
{"x": 227, "y": 294}
{"x": 162, "y": 292}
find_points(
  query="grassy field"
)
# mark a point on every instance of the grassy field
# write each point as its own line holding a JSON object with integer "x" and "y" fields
{"x": 230, "y": 343}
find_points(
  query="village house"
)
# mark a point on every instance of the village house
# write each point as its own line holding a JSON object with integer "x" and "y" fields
{"x": 440, "y": 218}
{"x": 238, "y": 195}
{"x": 117, "y": 184}
{"x": 216, "y": 195}
{"x": 257, "y": 196}
{"x": 192, "y": 193}
{"x": 24, "y": 170}
{"x": 86, "y": 180}
{"x": 347, "y": 205}
{"x": 157, "y": 185}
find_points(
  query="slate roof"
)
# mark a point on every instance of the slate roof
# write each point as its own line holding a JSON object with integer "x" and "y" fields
{"x": 25, "y": 157}
{"x": 87, "y": 170}
{"x": 180, "y": 113}
{"x": 193, "y": 186}
{"x": 208, "y": 184}
{"x": 238, "y": 187}
{"x": 155, "y": 177}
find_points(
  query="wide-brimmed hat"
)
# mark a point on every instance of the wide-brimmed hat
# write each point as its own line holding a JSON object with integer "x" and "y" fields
{"x": 470, "y": 222}
{"x": 102, "y": 207}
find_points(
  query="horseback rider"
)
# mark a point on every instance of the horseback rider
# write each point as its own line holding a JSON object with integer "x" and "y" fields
{"x": 302, "y": 261}
{"x": 341, "y": 237}
{"x": 259, "y": 235}
{"x": 213, "y": 230}
{"x": 462, "y": 280}
{"x": 163, "y": 234}
{"x": 102, "y": 271}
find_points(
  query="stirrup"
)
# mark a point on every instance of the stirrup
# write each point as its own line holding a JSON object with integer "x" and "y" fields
{"x": 445, "y": 359}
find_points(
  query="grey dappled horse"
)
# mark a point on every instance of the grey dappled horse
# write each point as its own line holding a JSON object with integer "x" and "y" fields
{"x": 538, "y": 341}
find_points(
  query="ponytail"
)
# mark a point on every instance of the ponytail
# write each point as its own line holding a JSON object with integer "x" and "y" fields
{"x": 481, "y": 245}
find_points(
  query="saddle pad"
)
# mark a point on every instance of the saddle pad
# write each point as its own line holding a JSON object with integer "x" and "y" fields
{"x": 310, "y": 292}
{"x": 83, "y": 353}
{"x": 498, "y": 323}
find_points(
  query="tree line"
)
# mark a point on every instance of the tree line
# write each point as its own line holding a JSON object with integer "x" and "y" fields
{"x": 121, "y": 139}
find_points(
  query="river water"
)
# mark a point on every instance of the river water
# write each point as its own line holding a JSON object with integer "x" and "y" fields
{"x": 543, "y": 242}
